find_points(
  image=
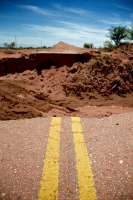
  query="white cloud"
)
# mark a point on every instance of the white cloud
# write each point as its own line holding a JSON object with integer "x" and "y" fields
{"x": 68, "y": 26}
{"x": 110, "y": 22}
{"x": 115, "y": 21}
{"x": 82, "y": 27}
{"x": 115, "y": 14}
{"x": 73, "y": 10}
{"x": 122, "y": 7}
{"x": 37, "y": 9}
{"x": 72, "y": 32}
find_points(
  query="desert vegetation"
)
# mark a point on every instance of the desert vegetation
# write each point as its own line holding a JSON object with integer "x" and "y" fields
{"x": 88, "y": 45}
{"x": 9, "y": 45}
{"x": 117, "y": 35}
{"x": 12, "y": 45}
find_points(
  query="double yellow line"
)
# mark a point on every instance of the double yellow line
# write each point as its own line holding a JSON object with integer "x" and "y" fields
{"x": 49, "y": 180}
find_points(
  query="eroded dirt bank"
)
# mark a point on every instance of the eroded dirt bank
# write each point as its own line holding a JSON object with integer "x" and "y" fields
{"x": 40, "y": 61}
{"x": 95, "y": 86}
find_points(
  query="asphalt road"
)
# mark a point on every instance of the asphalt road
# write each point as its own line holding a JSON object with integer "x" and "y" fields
{"x": 67, "y": 158}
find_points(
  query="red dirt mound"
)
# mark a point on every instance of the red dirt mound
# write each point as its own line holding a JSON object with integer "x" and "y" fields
{"x": 65, "y": 46}
{"x": 101, "y": 75}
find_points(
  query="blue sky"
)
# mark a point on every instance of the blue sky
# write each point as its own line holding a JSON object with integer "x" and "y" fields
{"x": 47, "y": 22}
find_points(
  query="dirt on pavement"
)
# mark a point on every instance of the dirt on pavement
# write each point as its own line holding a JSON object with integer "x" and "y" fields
{"x": 99, "y": 87}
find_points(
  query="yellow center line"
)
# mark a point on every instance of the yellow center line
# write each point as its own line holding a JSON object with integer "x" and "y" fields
{"x": 85, "y": 175}
{"x": 49, "y": 180}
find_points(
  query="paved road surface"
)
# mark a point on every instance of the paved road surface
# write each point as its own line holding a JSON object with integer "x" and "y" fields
{"x": 67, "y": 158}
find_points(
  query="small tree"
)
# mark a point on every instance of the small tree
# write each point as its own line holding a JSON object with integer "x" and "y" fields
{"x": 118, "y": 33}
{"x": 12, "y": 45}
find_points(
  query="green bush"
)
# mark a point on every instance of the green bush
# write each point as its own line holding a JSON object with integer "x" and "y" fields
{"x": 130, "y": 33}
{"x": 108, "y": 45}
{"x": 100, "y": 49}
{"x": 30, "y": 47}
{"x": 20, "y": 47}
{"x": 88, "y": 45}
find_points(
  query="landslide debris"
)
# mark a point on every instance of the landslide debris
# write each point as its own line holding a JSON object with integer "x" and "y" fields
{"x": 105, "y": 74}
{"x": 106, "y": 79}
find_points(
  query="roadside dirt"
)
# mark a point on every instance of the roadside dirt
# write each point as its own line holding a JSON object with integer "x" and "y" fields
{"x": 99, "y": 87}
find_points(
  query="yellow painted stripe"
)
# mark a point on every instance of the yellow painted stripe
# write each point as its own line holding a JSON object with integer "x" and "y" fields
{"x": 49, "y": 181}
{"x": 85, "y": 175}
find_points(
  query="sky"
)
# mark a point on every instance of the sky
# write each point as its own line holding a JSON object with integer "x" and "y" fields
{"x": 44, "y": 22}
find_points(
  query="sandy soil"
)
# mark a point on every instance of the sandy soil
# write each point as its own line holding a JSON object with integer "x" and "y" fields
{"x": 100, "y": 87}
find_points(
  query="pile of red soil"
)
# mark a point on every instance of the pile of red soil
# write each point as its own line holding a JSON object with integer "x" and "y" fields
{"x": 99, "y": 87}
{"x": 103, "y": 75}
{"x": 64, "y": 46}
